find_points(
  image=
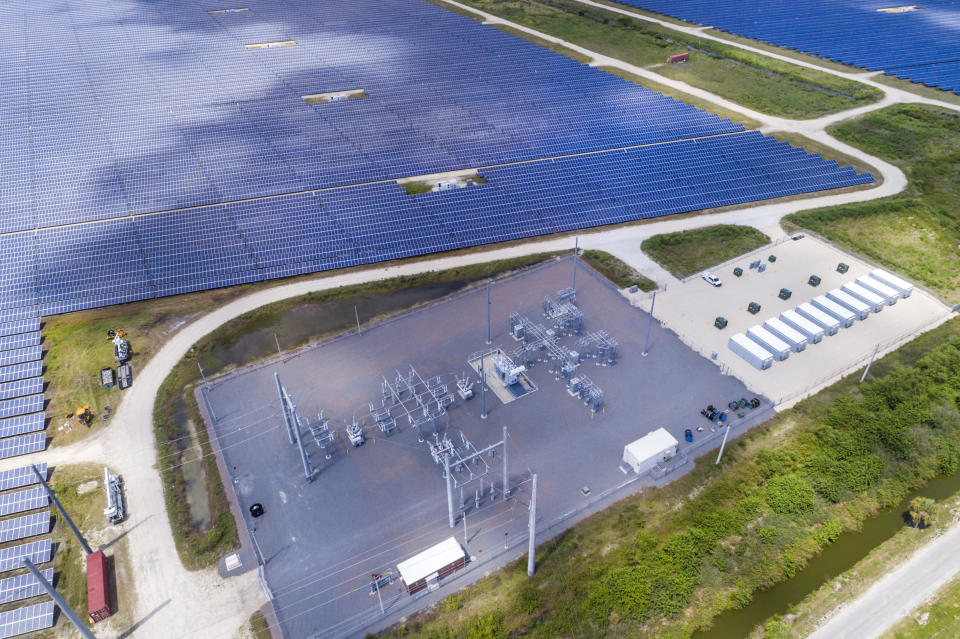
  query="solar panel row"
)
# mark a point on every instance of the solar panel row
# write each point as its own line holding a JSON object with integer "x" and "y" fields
{"x": 20, "y": 477}
{"x": 21, "y": 406}
{"x": 26, "y": 526}
{"x": 23, "y": 500}
{"x": 39, "y": 552}
{"x": 22, "y": 424}
{"x": 26, "y": 619}
{"x": 918, "y": 43}
{"x": 23, "y": 586}
{"x": 13, "y": 446}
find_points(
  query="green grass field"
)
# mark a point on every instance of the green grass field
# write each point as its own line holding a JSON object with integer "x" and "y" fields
{"x": 760, "y": 83}
{"x": 617, "y": 271}
{"x": 918, "y": 232}
{"x": 687, "y": 252}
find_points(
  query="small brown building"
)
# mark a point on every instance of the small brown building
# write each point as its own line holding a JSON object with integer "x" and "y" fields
{"x": 429, "y": 567}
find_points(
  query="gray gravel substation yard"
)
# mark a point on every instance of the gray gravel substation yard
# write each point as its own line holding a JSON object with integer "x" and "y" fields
{"x": 371, "y": 507}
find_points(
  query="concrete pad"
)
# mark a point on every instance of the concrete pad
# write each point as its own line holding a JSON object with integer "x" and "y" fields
{"x": 690, "y": 307}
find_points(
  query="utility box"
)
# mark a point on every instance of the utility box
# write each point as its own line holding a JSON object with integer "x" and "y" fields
{"x": 811, "y": 330}
{"x": 842, "y": 268}
{"x": 425, "y": 570}
{"x": 98, "y": 587}
{"x": 784, "y": 293}
{"x": 827, "y": 322}
{"x": 772, "y": 258}
{"x": 125, "y": 376}
{"x": 648, "y": 451}
{"x": 770, "y": 342}
{"x": 753, "y": 308}
{"x": 757, "y": 356}
{"x": 720, "y": 322}
{"x": 738, "y": 271}
{"x": 894, "y": 282}
{"x": 814, "y": 281}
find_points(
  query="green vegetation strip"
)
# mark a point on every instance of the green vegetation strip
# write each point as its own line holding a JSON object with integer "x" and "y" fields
{"x": 176, "y": 402}
{"x": 938, "y": 619}
{"x": 753, "y": 80}
{"x": 687, "y": 252}
{"x": 259, "y": 627}
{"x": 617, "y": 271}
{"x": 664, "y": 563}
{"x": 918, "y": 231}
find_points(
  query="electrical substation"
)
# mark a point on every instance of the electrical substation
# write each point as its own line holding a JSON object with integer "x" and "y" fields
{"x": 370, "y": 450}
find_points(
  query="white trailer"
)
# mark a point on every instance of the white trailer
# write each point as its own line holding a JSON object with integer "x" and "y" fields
{"x": 894, "y": 282}
{"x": 796, "y": 321}
{"x": 890, "y": 294}
{"x": 871, "y": 299}
{"x": 651, "y": 449}
{"x": 849, "y": 302}
{"x": 831, "y": 308}
{"x": 784, "y": 331}
{"x": 759, "y": 357}
{"x": 829, "y": 323}
{"x": 777, "y": 347}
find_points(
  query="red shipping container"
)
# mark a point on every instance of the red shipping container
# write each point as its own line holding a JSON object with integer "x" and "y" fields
{"x": 98, "y": 587}
{"x": 680, "y": 57}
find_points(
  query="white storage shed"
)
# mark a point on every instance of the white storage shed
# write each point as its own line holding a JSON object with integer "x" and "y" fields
{"x": 793, "y": 337}
{"x": 829, "y": 323}
{"x": 651, "y": 449}
{"x": 759, "y": 357}
{"x": 890, "y": 294}
{"x": 893, "y": 281}
{"x": 849, "y": 302}
{"x": 812, "y": 331}
{"x": 871, "y": 299}
{"x": 842, "y": 313}
{"x": 426, "y": 569}
{"x": 776, "y": 346}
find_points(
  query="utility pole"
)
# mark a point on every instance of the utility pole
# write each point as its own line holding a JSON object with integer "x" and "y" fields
{"x": 483, "y": 388}
{"x": 576, "y": 248}
{"x": 446, "y": 472}
{"x": 63, "y": 513}
{"x": 357, "y": 315}
{"x": 646, "y": 342}
{"x": 532, "y": 526}
{"x": 202, "y": 376}
{"x": 60, "y": 601}
{"x": 723, "y": 443}
{"x": 867, "y": 369}
{"x": 277, "y": 340}
{"x": 506, "y": 476}
{"x": 283, "y": 406}
{"x": 488, "y": 312}
{"x": 376, "y": 583}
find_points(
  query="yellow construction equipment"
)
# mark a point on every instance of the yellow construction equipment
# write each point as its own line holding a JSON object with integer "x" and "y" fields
{"x": 114, "y": 333}
{"x": 84, "y": 415}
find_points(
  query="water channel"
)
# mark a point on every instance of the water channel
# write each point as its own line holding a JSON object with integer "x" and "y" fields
{"x": 835, "y": 559}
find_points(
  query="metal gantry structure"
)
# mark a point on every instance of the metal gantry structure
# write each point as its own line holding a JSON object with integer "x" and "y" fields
{"x": 465, "y": 465}
{"x": 421, "y": 400}
{"x": 294, "y": 423}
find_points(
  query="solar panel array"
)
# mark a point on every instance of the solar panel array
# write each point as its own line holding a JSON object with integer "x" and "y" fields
{"x": 200, "y": 165}
{"x": 20, "y": 477}
{"x": 39, "y": 552}
{"x": 23, "y": 586}
{"x": 918, "y": 44}
{"x": 26, "y": 526}
{"x": 26, "y": 619}
{"x": 22, "y": 445}
{"x": 23, "y": 500}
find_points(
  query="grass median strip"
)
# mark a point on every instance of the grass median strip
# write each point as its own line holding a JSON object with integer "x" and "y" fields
{"x": 617, "y": 271}
{"x": 687, "y": 252}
